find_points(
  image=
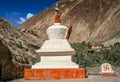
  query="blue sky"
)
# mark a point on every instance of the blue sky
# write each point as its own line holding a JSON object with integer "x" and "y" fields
{"x": 18, "y": 11}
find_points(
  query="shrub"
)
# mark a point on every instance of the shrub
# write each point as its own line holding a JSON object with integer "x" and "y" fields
{"x": 88, "y": 59}
{"x": 33, "y": 60}
{"x": 17, "y": 45}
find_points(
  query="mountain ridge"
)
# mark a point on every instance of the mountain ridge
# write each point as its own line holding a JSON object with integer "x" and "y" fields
{"x": 95, "y": 21}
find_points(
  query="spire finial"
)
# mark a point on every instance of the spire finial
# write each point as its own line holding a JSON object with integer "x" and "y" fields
{"x": 56, "y": 7}
{"x": 57, "y": 14}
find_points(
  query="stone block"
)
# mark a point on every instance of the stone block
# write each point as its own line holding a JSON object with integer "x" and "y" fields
{"x": 106, "y": 70}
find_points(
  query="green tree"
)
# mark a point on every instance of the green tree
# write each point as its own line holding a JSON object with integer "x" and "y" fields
{"x": 87, "y": 59}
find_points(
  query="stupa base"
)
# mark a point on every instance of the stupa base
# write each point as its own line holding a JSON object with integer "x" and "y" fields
{"x": 55, "y": 64}
{"x": 54, "y": 74}
{"x": 108, "y": 74}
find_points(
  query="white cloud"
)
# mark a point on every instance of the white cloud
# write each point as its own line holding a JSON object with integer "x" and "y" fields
{"x": 22, "y": 20}
{"x": 29, "y": 15}
{"x": 14, "y": 13}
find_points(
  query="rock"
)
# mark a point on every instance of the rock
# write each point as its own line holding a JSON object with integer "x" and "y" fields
{"x": 10, "y": 69}
{"x": 16, "y": 50}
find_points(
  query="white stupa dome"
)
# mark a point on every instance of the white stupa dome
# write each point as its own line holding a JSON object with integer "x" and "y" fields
{"x": 57, "y": 31}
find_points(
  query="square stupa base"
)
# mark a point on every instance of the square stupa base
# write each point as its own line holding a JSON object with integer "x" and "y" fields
{"x": 54, "y": 74}
{"x": 55, "y": 62}
{"x": 108, "y": 74}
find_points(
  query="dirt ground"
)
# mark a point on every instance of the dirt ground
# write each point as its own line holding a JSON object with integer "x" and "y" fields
{"x": 91, "y": 78}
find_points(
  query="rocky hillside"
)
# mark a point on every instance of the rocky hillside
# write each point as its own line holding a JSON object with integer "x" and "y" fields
{"x": 95, "y": 21}
{"x": 16, "y": 50}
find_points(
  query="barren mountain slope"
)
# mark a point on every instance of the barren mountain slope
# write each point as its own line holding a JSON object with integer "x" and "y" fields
{"x": 16, "y": 50}
{"x": 96, "y": 21}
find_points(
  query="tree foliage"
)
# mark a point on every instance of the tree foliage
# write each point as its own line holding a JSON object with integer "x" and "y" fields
{"x": 92, "y": 59}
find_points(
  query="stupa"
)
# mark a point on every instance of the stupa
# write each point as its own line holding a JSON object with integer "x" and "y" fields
{"x": 55, "y": 55}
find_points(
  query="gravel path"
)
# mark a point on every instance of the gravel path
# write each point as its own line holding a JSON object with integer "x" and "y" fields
{"x": 89, "y": 79}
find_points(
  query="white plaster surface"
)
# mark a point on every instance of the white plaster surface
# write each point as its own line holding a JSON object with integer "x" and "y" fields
{"x": 61, "y": 61}
{"x": 55, "y": 58}
{"x": 55, "y": 64}
{"x": 106, "y": 68}
{"x": 57, "y": 31}
{"x": 55, "y": 45}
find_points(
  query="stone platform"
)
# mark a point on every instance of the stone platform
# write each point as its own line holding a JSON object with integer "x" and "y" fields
{"x": 54, "y": 74}
{"x": 108, "y": 74}
{"x": 55, "y": 62}
{"x": 56, "y": 47}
